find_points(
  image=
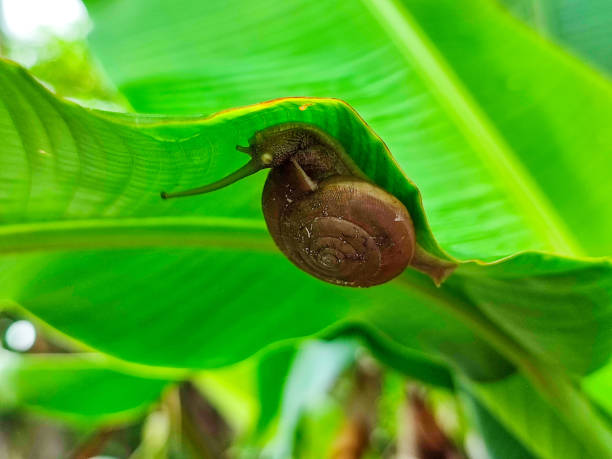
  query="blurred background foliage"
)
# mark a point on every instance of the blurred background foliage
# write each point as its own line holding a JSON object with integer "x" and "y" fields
{"x": 59, "y": 399}
{"x": 316, "y": 399}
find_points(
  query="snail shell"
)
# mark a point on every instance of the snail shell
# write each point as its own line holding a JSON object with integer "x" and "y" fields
{"x": 326, "y": 217}
{"x": 347, "y": 232}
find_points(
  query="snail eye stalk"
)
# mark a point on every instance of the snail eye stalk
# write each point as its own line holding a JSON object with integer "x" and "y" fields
{"x": 256, "y": 164}
{"x": 248, "y": 169}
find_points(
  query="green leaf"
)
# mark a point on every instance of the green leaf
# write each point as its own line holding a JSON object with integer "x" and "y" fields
{"x": 80, "y": 388}
{"x": 498, "y": 154}
{"x": 402, "y": 358}
{"x": 581, "y": 25}
{"x": 500, "y": 443}
{"x": 113, "y": 185}
{"x": 560, "y": 309}
{"x": 528, "y": 418}
{"x": 272, "y": 372}
{"x": 78, "y": 179}
{"x": 499, "y": 169}
{"x": 599, "y": 387}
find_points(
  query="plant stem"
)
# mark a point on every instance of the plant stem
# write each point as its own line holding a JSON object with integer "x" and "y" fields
{"x": 94, "y": 445}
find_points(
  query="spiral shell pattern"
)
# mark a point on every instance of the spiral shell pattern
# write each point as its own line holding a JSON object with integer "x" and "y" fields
{"x": 348, "y": 232}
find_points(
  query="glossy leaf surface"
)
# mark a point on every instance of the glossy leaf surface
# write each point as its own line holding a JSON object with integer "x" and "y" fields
{"x": 98, "y": 178}
{"x": 172, "y": 307}
{"x": 498, "y": 155}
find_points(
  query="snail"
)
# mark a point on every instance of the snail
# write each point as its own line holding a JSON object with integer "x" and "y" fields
{"x": 324, "y": 214}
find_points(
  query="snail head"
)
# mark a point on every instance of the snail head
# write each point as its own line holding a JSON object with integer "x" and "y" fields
{"x": 265, "y": 150}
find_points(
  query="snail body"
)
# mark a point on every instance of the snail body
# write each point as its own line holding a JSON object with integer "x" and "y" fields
{"x": 321, "y": 210}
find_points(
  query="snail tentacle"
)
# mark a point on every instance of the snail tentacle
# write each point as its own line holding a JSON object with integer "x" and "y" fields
{"x": 249, "y": 168}
{"x": 242, "y": 149}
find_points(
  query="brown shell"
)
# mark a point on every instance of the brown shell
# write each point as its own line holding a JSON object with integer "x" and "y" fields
{"x": 348, "y": 231}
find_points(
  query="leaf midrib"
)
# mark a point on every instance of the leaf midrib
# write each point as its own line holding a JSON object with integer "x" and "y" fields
{"x": 228, "y": 233}
{"x": 479, "y": 131}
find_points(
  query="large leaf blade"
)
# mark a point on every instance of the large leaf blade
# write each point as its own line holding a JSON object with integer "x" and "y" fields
{"x": 143, "y": 220}
{"x": 38, "y": 281}
{"x": 113, "y": 201}
{"x": 501, "y": 137}
{"x": 531, "y": 232}
{"x": 528, "y": 421}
